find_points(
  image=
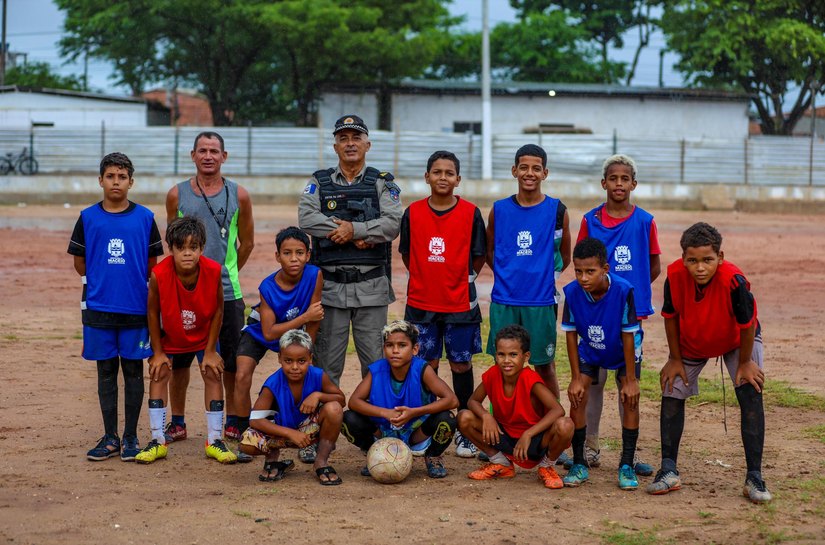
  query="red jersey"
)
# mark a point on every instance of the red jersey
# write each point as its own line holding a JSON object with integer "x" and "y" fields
{"x": 186, "y": 315}
{"x": 515, "y": 414}
{"x": 708, "y": 327}
{"x": 440, "y": 257}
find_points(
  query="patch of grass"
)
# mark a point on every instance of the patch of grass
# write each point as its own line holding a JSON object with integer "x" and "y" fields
{"x": 632, "y": 537}
{"x": 11, "y": 337}
{"x": 244, "y": 514}
{"x": 782, "y": 394}
{"x": 816, "y": 432}
{"x": 706, "y": 514}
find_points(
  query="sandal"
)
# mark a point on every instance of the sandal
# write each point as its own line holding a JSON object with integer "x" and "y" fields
{"x": 326, "y": 471}
{"x": 276, "y": 470}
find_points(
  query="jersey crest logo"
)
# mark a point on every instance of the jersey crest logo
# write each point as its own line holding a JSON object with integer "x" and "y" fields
{"x": 436, "y": 249}
{"x": 622, "y": 256}
{"x": 332, "y": 205}
{"x": 116, "y": 249}
{"x": 524, "y": 241}
{"x": 292, "y": 313}
{"x": 595, "y": 334}
{"x": 187, "y": 317}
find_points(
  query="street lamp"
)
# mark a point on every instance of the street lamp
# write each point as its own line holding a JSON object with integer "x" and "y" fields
{"x": 815, "y": 85}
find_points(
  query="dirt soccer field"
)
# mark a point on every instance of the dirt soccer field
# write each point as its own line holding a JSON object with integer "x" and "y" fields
{"x": 50, "y": 493}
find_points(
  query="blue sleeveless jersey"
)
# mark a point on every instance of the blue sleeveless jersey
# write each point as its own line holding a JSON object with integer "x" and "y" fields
{"x": 525, "y": 253}
{"x": 287, "y": 305}
{"x": 628, "y": 252}
{"x": 411, "y": 394}
{"x": 289, "y": 414}
{"x": 117, "y": 255}
{"x": 599, "y": 323}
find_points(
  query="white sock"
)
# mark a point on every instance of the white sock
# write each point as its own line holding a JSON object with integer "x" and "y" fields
{"x": 500, "y": 458}
{"x": 547, "y": 462}
{"x": 157, "y": 418}
{"x": 214, "y": 425}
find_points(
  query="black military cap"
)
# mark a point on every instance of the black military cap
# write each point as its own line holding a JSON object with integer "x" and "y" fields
{"x": 351, "y": 122}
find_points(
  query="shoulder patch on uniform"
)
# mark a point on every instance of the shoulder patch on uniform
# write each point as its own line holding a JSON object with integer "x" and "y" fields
{"x": 394, "y": 190}
{"x": 310, "y": 189}
{"x": 386, "y": 176}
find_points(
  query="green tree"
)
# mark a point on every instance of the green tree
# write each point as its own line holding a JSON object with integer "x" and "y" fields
{"x": 763, "y": 48}
{"x": 40, "y": 74}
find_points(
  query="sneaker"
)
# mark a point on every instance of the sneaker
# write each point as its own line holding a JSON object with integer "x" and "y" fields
{"x": 755, "y": 489}
{"x": 307, "y": 454}
{"x": 244, "y": 458}
{"x": 131, "y": 447}
{"x": 564, "y": 460}
{"x": 464, "y": 448}
{"x": 492, "y": 471}
{"x": 174, "y": 432}
{"x": 151, "y": 452}
{"x": 641, "y": 468}
{"x": 220, "y": 452}
{"x": 627, "y": 478}
{"x": 232, "y": 433}
{"x": 107, "y": 446}
{"x": 666, "y": 481}
{"x": 576, "y": 476}
{"x": 550, "y": 478}
{"x": 435, "y": 467}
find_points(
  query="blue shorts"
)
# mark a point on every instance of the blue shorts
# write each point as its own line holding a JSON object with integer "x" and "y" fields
{"x": 460, "y": 341}
{"x": 131, "y": 343}
{"x": 184, "y": 360}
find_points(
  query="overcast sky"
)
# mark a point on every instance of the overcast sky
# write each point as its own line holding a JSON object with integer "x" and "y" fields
{"x": 35, "y": 26}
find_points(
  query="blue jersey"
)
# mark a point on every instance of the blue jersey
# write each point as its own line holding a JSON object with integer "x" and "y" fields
{"x": 117, "y": 259}
{"x": 288, "y": 413}
{"x": 287, "y": 305}
{"x": 600, "y": 324}
{"x": 628, "y": 251}
{"x": 524, "y": 261}
{"x": 388, "y": 393}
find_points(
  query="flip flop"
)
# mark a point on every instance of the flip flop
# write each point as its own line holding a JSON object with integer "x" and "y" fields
{"x": 279, "y": 467}
{"x": 327, "y": 471}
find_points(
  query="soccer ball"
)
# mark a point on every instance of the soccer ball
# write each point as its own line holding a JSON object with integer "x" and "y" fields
{"x": 389, "y": 460}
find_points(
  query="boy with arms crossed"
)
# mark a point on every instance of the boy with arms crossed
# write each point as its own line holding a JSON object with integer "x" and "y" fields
{"x": 527, "y": 425}
{"x": 298, "y": 406}
{"x": 115, "y": 244}
{"x": 709, "y": 312}
{"x": 632, "y": 242}
{"x": 443, "y": 245}
{"x": 186, "y": 301}
{"x": 600, "y": 322}
{"x": 401, "y": 396}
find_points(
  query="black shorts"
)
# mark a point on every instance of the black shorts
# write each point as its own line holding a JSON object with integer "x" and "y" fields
{"x": 230, "y": 336}
{"x": 251, "y": 348}
{"x": 184, "y": 361}
{"x": 506, "y": 444}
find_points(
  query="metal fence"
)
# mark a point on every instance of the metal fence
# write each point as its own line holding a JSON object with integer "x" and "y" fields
{"x": 256, "y": 151}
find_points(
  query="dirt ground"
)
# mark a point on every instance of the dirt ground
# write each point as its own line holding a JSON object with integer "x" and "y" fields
{"x": 50, "y": 493}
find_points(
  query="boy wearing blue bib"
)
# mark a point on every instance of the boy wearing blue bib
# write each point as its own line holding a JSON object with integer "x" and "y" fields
{"x": 401, "y": 396}
{"x": 528, "y": 246}
{"x": 600, "y": 322}
{"x": 115, "y": 244}
{"x": 290, "y": 298}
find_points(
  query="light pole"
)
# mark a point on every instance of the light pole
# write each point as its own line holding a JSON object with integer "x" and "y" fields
{"x": 486, "y": 108}
{"x": 815, "y": 85}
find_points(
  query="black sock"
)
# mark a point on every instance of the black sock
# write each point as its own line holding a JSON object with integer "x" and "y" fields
{"x": 578, "y": 446}
{"x": 671, "y": 425}
{"x": 629, "y": 439}
{"x": 243, "y": 423}
{"x": 463, "y": 386}
{"x": 107, "y": 393}
{"x": 753, "y": 425}
{"x": 132, "y": 393}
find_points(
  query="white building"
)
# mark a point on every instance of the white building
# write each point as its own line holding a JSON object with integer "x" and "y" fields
{"x": 20, "y": 107}
{"x": 519, "y": 107}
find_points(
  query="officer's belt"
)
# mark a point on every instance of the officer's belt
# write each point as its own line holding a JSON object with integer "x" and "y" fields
{"x": 351, "y": 276}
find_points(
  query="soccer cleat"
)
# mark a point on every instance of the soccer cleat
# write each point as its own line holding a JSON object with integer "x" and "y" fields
{"x": 564, "y": 460}
{"x": 492, "y": 471}
{"x": 435, "y": 467}
{"x": 665, "y": 481}
{"x": 244, "y": 458}
{"x": 627, "y": 478}
{"x": 220, "y": 452}
{"x": 107, "y": 446}
{"x": 755, "y": 489}
{"x": 151, "y": 452}
{"x": 464, "y": 448}
{"x": 643, "y": 469}
{"x": 131, "y": 448}
{"x": 307, "y": 454}
{"x": 174, "y": 432}
{"x": 550, "y": 478}
{"x": 577, "y": 475}
{"x": 232, "y": 433}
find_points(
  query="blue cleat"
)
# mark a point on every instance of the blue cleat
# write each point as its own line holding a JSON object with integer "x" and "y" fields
{"x": 576, "y": 476}
{"x": 627, "y": 478}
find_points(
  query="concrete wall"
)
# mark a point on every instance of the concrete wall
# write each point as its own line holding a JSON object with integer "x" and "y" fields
{"x": 21, "y": 109}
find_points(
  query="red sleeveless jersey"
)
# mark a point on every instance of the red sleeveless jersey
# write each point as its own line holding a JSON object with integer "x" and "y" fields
{"x": 707, "y": 328}
{"x": 186, "y": 315}
{"x": 516, "y": 414}
{"x": 440, "y": 257}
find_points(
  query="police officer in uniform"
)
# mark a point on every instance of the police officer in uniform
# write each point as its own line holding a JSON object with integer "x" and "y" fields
{"x": 353, "y": 212}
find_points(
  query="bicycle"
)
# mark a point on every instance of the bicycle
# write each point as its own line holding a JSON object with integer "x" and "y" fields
{"x": 24, "y": 163}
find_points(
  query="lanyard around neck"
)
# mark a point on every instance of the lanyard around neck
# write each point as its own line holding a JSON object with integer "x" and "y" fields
{"x": 221, "y": 224}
